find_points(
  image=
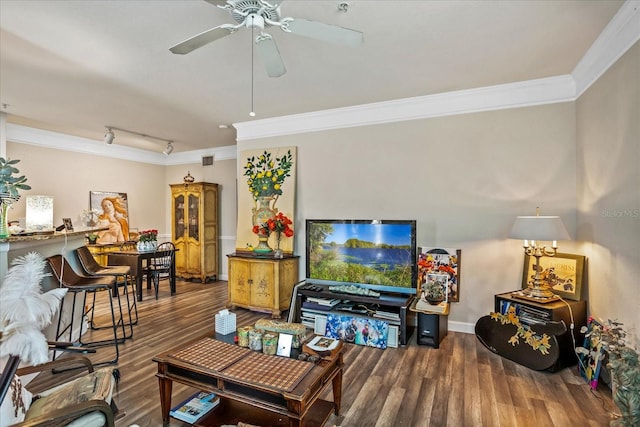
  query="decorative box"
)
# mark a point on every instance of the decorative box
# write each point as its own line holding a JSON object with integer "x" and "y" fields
{"x": 298, "y": 330}
{"x": 225, "y": 323}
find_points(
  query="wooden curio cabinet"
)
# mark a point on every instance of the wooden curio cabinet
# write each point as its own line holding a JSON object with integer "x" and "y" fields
{"x": 194, "y": 229}
{"x": 261, "y": 283}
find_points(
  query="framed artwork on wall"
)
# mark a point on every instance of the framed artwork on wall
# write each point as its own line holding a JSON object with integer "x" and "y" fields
{"x": 266, "y": 189}
{"x": 113, "y": 213}
{"x": 440, "y": 261}
{"x": 563, "y": 274}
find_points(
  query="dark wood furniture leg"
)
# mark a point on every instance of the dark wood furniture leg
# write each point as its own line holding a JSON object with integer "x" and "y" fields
{"x": 166, "y": 387}
{"x": 337, "y": 387}
{"x": 172, "y": 278}
{"x": 139, "y": 278}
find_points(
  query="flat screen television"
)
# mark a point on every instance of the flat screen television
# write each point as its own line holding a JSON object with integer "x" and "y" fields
{"x": 376, "y": 254}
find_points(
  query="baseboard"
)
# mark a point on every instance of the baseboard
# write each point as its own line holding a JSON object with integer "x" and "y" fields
{"x": 464, "y": 327}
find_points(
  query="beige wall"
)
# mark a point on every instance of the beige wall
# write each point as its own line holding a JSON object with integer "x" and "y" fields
{"x": 70, "y": 176}
{"x": 463, "y": 178}
{"x": 608, "y": 141}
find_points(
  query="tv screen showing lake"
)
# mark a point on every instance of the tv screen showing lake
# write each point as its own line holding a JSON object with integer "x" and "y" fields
{"x": 379, "y": 266}
{"x": 362, "y": 252}
{"x": 372, "y": 257}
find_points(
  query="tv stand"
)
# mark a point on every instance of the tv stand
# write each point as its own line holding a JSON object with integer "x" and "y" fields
{"x": 387, "y": 301}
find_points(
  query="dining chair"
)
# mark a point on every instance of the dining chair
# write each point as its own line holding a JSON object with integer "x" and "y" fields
{"x": 161, "y": 264}
{"x": 82, "y": 285}
{"x": 122, "y": 274}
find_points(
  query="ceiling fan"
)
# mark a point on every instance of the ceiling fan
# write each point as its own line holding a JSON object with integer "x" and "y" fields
{"x": 258, "y": 14}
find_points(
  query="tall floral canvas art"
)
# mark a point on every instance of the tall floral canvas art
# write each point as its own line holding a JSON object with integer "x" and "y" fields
{"x": 266, "y": 200}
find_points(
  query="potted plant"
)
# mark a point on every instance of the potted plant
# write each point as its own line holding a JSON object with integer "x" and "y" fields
{"x": 10, "y": 184}
{"x": 433, "y": 290}
{"x": 622, "y": 361}
{"x": 92, "y": 238}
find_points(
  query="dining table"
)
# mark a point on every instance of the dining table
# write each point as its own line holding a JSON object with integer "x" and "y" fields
{"x": 137, "y": 260}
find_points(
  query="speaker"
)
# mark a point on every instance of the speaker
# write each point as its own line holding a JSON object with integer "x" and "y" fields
{"x": 432, "y": 328}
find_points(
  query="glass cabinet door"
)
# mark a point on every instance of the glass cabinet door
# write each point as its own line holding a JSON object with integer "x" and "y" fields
{"x": 194, "y": 205}
{"x": 178, "y": 209}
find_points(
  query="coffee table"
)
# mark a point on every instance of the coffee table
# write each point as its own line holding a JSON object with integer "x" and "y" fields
{"x": 254, "y": 387}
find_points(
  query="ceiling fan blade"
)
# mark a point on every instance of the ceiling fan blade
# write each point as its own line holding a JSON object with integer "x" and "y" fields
{"x": 324, "y": 32}
{"x": 217, "y": 2}
{"x": 203, "y": 38}
{"x": 270, "y": 55}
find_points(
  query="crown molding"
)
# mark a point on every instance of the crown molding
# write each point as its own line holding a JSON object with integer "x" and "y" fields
{"x": 618, "y": 36}
{"x": 59, "y": 141}
{"x": 512, "y": 95}
{"x": 622, "y": 32}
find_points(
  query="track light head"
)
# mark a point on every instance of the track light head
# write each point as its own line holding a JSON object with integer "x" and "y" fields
{"x": 109, "y": 136}
{"x": 168, "y": 150}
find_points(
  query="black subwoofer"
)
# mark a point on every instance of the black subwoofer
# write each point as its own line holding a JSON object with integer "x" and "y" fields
{"x": 432, "y": 328}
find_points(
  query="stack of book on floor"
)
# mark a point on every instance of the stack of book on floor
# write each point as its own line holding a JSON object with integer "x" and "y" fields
{"x": 195, "y": 407}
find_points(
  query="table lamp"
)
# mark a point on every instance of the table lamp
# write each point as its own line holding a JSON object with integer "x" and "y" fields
{"x": 534, "y": 230}
{"x": 39, "y": 213}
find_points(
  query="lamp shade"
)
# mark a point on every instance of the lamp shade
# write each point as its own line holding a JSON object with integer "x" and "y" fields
{"x": 540, "y": 228}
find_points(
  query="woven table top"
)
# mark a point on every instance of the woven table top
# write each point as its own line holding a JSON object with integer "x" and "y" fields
{"x": 211, "y": 354}
{"x": 278, "y": 373}
{"x": 275, "y": 372}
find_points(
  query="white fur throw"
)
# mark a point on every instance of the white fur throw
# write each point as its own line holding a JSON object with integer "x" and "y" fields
{"x": 25, "y": 310}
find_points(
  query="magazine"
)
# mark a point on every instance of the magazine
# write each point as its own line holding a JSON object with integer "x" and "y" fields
{"x": 195, "y": 407}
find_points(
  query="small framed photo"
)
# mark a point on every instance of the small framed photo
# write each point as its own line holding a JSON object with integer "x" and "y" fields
{"x": 562, "y": 273}
{"x": 67, "y": 224}
{"x": 284, "y": 345}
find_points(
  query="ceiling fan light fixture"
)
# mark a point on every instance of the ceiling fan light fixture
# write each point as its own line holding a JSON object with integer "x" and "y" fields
{"x": 255, "y": 21}
{"x": 109, "y": 136}
{"x": 168, "y": 150}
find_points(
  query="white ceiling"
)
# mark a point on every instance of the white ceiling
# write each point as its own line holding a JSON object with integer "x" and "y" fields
{"x": 75, "y": 66}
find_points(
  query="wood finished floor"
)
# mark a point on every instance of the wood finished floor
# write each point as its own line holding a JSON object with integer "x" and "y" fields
{"x": 459, "y": 384}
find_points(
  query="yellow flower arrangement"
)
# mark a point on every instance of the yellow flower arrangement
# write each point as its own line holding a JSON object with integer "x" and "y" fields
{"x": 265, "y": 175}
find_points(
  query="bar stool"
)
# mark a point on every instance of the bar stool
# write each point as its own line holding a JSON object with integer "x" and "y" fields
{"x": 122, "y": 274}
{"x": 76, "y": 284}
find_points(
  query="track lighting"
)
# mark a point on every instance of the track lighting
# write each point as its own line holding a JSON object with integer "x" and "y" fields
{"x": 109, "y": 136}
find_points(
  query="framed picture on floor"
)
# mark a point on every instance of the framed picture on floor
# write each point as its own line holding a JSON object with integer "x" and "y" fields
{"x": 590, "y": 355}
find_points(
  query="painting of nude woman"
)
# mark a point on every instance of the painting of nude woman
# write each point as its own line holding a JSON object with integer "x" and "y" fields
{"x": 113, "y": 214}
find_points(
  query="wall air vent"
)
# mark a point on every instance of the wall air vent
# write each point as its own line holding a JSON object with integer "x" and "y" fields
{"x": 207, "y": 160}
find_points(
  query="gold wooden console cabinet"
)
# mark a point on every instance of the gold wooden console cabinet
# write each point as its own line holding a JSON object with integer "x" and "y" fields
{"x": 194, "y": 229}
{"x": 261, "y": 283}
